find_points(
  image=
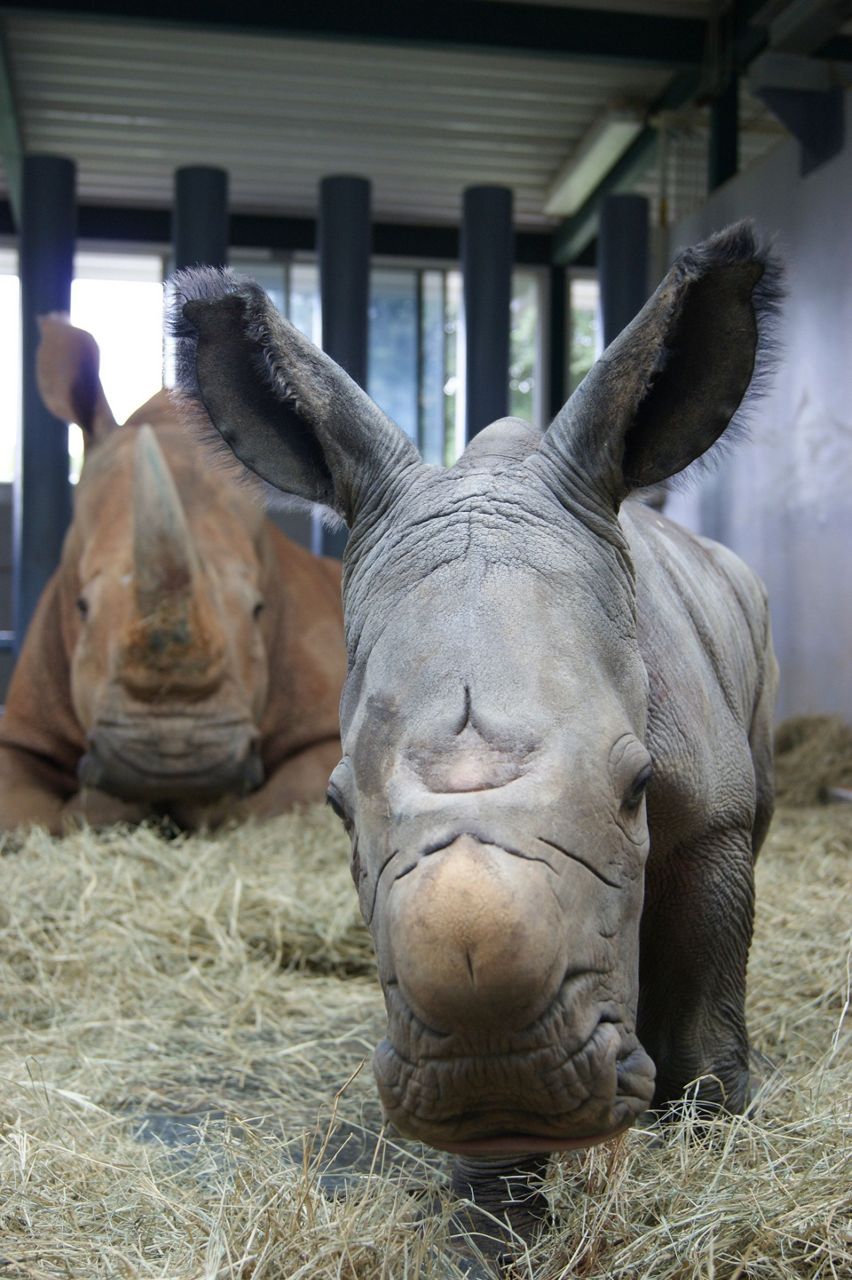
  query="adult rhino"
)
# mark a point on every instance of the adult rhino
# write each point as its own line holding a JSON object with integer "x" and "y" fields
{"x": 185, "y": 658}
{"x": 556, "y": 764}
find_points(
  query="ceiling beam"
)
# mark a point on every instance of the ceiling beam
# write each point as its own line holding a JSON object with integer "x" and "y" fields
{"x": 640, "y": 39}
{"x": 11, "y": 138}
{"x": 573, "y": 236}
{"x": 750, "y": 19}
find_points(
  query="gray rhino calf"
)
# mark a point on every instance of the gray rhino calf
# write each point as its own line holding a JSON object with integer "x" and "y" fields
{"x": 556, "y": 724}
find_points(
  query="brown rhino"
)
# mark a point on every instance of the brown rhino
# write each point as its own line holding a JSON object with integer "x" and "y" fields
{"x": 186, "y": 658}
{"x": 556, "y": 722}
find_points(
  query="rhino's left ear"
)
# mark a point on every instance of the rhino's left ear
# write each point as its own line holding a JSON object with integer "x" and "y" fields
{"x": 676, "y": 378}
{"x": 287, "y": 411}
{"x": 68, "y": 377}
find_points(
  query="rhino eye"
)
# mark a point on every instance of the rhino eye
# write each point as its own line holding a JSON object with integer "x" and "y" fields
{"x": 633, "y": 799}
{"x": 258, "y": 609}
{"x": 81, "y": 604}
{"x": 335, "y": 803}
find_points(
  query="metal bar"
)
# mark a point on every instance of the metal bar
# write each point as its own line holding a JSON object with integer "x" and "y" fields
{"x": 723, "y": 156}
{"x": 486, "y": 255}
{"x": 557, "y": 340}
{"x": 803, "y": 26}
{"x": 200, "y": 225}
{"x": 11, "y": 136}
{"x": 622, "y": 261}
{"x": 544, "y": 30}
{"x": 42, "y": 493}
{"x": 343, "y": 249}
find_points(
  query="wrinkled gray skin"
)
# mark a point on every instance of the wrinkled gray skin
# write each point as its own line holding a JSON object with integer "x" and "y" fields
{"x": 556, "y": 723}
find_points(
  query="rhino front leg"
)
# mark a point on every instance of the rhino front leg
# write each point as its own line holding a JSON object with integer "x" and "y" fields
{"x": 696, "y": 931}
{"x": 91, "y": 807}
{"x": 504, "y": 1203}
{"x": 32, "y": 792}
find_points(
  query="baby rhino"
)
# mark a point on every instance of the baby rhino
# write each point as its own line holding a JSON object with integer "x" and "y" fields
{"x": 186, "y": 658}
{"x": 556, "y": 721}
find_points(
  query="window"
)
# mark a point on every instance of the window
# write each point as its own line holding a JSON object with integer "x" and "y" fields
{"x": 416, "y": 343}
{"x": 10, "y": 338}
{"x": 585, "y": 328}
{"x": 119, "y": 299}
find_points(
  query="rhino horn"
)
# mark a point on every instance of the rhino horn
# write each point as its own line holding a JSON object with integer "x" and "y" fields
{"x": 164, "y": 557}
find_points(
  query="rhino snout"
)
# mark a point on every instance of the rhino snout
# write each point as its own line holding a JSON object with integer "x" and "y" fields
{"x": 163, "y": 758}
{"x": 475, "y": 938}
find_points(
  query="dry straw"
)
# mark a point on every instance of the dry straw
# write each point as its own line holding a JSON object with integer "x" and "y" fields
{"x": 186, "y": 1092}
{"x": 812, "y": 753}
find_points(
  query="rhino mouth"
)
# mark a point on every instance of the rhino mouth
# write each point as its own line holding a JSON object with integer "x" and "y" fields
{"x": 533, "y": 1095}
{"x": 173, "y": 759}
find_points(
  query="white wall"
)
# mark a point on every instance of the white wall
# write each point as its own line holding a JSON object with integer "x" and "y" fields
{"x": 783, "y": 500}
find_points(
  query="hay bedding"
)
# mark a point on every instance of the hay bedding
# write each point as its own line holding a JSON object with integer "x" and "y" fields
{"x": 181, "y": 1032}
{"x": 812, "y": 754}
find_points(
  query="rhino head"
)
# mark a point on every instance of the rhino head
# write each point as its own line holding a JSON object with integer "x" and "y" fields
{"x": 162, "y": 582}
{"x": 494, "y": 715}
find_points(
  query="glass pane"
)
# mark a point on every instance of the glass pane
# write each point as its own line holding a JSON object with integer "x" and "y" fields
{"x": 10, "y": 384}
{"x": 125, "y": 317}
{"x": 304, "y": 302}
{"x": 118, "y": 298}
{"x": 585, "y": 330}
{"x": 453, "y": 369}
{"x": 431, "y": 435}
{"x": 524, "y": 345}
{"x": 271, "y": 276}
{"x": 393, "y": 345}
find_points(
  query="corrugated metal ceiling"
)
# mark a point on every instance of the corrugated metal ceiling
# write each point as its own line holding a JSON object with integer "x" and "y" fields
{"x": 132, "y": 103}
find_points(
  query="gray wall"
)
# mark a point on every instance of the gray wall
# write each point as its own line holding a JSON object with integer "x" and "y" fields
{"x": 783, "y": 500}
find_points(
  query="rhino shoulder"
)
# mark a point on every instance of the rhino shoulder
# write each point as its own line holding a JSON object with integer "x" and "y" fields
{"x": 703, "y": 631}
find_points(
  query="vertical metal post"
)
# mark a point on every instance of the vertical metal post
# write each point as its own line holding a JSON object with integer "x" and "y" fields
{"x": 557, "y": 327}
{"x": 42, "y": 493}
{"x": 200, "y": 220}
{"x": 487, "y": 254}
{"x": 622, "y": 261}
{"x": 723, "y": 156}
{"x": 344, "y": 237}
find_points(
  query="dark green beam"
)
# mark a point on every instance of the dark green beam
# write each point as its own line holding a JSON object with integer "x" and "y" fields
{"x": 574, "y": 235}
{"x": 11, "y": 140}
{"x": 643, "y": 39}
{"x": 723, "y": 152}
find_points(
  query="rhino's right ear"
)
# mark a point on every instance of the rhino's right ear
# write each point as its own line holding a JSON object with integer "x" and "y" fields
{"x": 68, "y": 377}
{"x": 288, "y": 412}
{"x": 679, "y": 377}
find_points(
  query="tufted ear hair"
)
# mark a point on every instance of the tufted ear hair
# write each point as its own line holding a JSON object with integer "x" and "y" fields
{"x": 678, "y": 376}
{"x": 285, "y": 409}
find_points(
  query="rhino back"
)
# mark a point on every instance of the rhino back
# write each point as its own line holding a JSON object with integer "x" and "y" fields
{"x": 703, "y": 631}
